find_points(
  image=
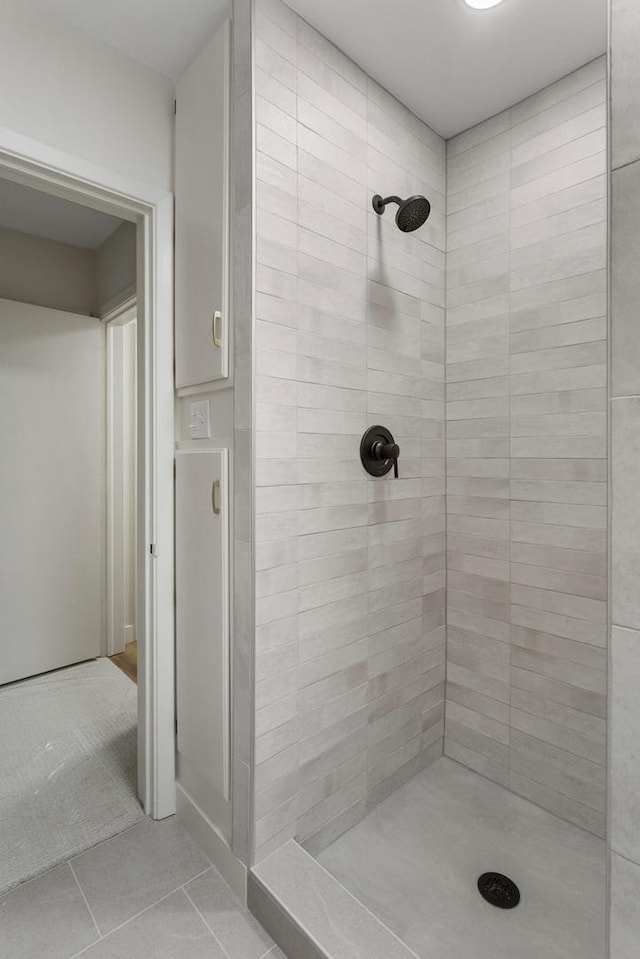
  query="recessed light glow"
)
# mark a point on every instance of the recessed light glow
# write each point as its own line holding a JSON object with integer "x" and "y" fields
{"x": 482, "y": 4}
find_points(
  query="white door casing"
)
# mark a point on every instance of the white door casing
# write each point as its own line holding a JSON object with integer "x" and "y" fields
{"x": 38, "y": 165}
{"x": 121, "y": 404}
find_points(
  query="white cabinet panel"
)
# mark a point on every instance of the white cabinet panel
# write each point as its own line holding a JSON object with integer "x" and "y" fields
{"x": 202, "y": 215}
{"x": 202, "y": 613}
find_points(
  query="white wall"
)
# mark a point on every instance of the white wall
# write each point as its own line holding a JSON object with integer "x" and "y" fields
{"x": 47, "y": 273}
{"x": 67, "y": 277}
{"x": 63, "y": 88}
{"x": 116, "y": 268}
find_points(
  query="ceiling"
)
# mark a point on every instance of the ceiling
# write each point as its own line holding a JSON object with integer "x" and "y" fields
{"x": 165, "y": 35}
{"x": 454, "y": 66}
{"x": 31, "y": 211}
{"x": 451, "y": 65}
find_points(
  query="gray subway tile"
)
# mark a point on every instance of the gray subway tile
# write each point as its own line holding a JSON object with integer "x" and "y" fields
{"x": 240, "y": 935}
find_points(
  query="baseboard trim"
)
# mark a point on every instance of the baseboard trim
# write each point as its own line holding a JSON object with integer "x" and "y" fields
{"x": 211, "y": 841}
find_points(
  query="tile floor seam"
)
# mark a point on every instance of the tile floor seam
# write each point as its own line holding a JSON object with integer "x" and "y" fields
{"x": 84, "y": 951}
{"x": 108, "y": 839}
{"x": 122, "y": 925}
{"x": 25, "y": 882}
{"x": 205, "y": 921}
{"x": 198, "y": 875}
{"x": 86, "y": 901}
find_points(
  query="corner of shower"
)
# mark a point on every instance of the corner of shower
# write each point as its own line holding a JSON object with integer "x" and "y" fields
{"x": 430, "y": 719}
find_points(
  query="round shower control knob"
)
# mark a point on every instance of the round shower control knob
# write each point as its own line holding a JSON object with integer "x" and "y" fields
{"x": 385, "y": 451}
{"x": 379, "y": 451}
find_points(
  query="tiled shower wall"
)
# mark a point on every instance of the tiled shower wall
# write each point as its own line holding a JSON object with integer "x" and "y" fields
{"x": 350, "y": 571}
{"x": 527, "y": 447}
{"x": 624, "y": 768}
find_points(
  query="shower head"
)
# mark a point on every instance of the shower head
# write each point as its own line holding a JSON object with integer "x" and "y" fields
{"x": 412, "y": 213}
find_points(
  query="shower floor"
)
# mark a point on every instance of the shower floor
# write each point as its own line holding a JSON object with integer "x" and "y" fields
{"x": 415, "y": 862}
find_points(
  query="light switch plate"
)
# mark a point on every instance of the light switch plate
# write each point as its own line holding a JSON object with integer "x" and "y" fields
{"x": 199, "y": 424}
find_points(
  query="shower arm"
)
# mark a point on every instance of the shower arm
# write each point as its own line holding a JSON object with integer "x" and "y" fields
{"x": 379, "y": 204}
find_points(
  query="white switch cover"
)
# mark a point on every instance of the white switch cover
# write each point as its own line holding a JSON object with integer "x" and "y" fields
{"x": 199, "y": 425}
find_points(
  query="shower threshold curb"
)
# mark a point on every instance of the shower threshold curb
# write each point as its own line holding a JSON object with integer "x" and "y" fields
{"x": 310, "y": 915}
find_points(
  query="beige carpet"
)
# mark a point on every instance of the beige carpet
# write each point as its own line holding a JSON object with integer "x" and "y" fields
{"x": 67, "y": 766}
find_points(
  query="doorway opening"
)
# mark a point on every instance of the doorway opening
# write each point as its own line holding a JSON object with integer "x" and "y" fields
{"x": 138, "y": 605}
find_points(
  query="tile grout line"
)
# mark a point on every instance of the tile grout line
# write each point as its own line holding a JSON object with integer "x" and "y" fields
{"x": 121, "y": 926}
{"x": 142, "y": 911}
{"x": 225, "y": 951}
{"x": 623, "y": 857}
{"x": 270, "y": 951}
{"x": 204, "y": 920}
{"x": 86, "y": 901}
{"x": 445, "y": 430}
{"x": 126, "y": 923}
{"x": 294, "y": 817}
{"x": 609, "y": 853}
{"x": 509, "y": 385}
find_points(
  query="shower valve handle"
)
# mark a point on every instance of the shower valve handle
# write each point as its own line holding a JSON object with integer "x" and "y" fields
{"x": 386, "y": 451}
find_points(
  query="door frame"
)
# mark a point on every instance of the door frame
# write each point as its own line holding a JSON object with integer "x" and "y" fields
{"x": 121, "y": 405}
{"x": 32, "y": 163}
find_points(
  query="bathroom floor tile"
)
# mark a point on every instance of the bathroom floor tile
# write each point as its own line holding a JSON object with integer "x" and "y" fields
{"x": 241, "y": 936}
{"x": 170, "y": 929}
{"x": 415, "y": 862}
{"x": 45, "y": 917}
{"x": 125, "y": 875}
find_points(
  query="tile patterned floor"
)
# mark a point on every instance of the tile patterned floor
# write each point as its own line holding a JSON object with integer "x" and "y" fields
{"x": 415, "y": 860}
{"x": 149, "y": 893}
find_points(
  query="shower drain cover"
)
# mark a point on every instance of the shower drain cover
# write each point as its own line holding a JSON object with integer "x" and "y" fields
{"x": 499, "y": 890}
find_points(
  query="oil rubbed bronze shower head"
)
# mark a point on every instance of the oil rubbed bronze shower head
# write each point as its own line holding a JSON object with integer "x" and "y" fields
{"x": 412, "y": 213}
